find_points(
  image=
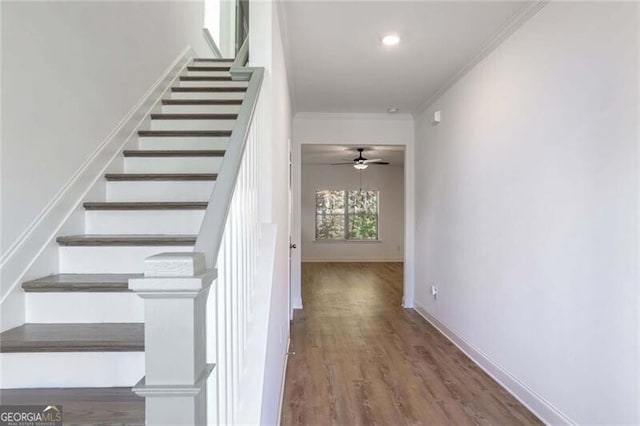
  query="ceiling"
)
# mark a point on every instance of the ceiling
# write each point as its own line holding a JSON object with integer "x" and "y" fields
{"x": 337, "y": 62}
{"x": 328, "y": 154}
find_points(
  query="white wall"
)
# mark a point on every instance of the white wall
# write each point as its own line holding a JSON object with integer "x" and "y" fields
{"x": 357, "y": 130}
{"x": 266, "y": 50}
{"x": 71, "y": 72}
{"x": 527, "y": 212}
{"x": 389, "y": 180}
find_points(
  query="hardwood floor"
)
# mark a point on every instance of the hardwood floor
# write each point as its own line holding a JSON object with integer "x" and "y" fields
{"x": 361, "y": 359}
{"x": 84, "y": 406}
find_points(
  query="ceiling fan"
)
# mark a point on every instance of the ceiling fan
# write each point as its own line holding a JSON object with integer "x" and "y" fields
{"x": 360, "y": 162}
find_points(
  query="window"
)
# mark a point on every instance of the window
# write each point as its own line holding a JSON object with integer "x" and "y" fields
{"x": 347, "y": 215}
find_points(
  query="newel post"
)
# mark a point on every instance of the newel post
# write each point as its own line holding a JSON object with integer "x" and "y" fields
{"x": 175, "y": 288}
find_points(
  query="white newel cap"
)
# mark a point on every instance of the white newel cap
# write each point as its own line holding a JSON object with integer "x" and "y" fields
{"x": 174, "y": 265}
{"x": 173, "y": 275}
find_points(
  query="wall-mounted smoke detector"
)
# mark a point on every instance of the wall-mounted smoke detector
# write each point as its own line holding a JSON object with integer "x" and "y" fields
{"x": 392, "y": 110}
{"x": 391, "y": 39}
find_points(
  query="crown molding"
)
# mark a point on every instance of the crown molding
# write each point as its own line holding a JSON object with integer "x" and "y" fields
{"x": 512, "y": 26}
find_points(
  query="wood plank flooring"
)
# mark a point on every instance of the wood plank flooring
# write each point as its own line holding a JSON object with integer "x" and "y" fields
{"x": 361, "y": 359}
{"x": 84, "y": 406}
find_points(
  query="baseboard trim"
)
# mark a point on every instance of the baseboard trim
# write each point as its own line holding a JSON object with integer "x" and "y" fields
{"x": 284, "y": 378}
{"x": 342, "y": 260}
{"x": 540, "y": 407}
{"x": 297, "y": 303}
{"x": 22, "y": 254}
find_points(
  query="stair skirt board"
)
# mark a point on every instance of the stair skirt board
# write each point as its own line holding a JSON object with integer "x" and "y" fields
{"x": 143, "y": 221}
{"x": 172, "y": 164}
{"x": 104, "y": 260}
{"x": 90, "y": 307}
{"x": 70, "y": 369}
{"x": 159, "y": 191}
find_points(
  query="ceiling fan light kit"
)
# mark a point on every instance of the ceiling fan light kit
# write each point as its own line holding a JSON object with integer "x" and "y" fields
{"x": 361, "y": 163}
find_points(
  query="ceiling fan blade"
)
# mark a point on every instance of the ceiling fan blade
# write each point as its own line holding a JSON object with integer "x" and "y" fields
{"x": 350, "y": 163}
{"x": 373, "y": 160}
{"x": 382, "y": 163}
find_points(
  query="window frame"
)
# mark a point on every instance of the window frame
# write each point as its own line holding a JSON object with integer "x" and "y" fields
{"x": 346, "y": 215}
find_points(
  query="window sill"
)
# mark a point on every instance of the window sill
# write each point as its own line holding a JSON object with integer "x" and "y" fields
{"x": 346, "y": 241}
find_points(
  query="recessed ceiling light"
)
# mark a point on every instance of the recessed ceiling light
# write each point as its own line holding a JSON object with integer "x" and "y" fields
{"x": 391, "y": 39}
{"x": 392, "y": 110}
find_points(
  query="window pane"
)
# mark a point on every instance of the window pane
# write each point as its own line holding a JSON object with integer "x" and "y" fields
{"x": 361, "y": 202}
{"x": 363, "y": 227}
{"x": 330, "y": 227}
{"x": 330, "y": 202}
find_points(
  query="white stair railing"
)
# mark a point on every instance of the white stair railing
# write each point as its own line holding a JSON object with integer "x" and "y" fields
{"x": 236, "y": 264}
{"x": 196, "y": 341}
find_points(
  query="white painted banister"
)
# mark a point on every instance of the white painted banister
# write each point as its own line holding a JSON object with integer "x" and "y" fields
{"x": 230, "y": 237}
{"x": 223, "y": 345}
{"x": 175, "y": 289}
{"x": 243, "y": 55}
{"x": 212, "y": 43}
{"x": 210, "y": 235}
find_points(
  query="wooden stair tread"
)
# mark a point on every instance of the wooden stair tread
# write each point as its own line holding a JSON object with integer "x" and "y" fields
{"x": 184, "y": 133}
{"x": 219, "y": 116}
{"x": 126, "y": 240}
{"x": 201, "y": 101}
{"x": 145, "y": 205}
{"x": 203, "y": 78}
{"x": 173, "y": 153}
{"x": 84, "y": 406}
{"x": 213, "y": 59}
{"x": 208, "y": 89}
{"x": 208, "y": 68}
{"x": 98, "y": 283}
{"x": 121, "y": 337}
{"x": 160, "y": 176}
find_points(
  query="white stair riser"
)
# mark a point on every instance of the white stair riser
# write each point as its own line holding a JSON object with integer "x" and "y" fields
{"x": 192, "y": 124}
{"x": 70, "y": 369}
{"x": 64, "y": 308}
{"x": 214, "y": 83}
{"x": 160, "y": 191}
{"x": 199, "y": 143}
{"x": 207, "y": 73}
{"x": 143, "y": 221}
{"x": 109, "y": 259}
{"x": 207, "y": 95}
{"x": 172, "y": 164}
{"x": 200, "y": 109}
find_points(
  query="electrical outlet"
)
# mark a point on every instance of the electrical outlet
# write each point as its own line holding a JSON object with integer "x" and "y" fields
{"x": 434, "y": 291}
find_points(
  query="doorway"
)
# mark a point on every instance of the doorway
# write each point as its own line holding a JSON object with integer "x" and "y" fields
{"x": 324, "y": 173}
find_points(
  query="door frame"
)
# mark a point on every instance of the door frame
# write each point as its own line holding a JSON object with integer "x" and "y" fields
{"x": 296, "y": 218}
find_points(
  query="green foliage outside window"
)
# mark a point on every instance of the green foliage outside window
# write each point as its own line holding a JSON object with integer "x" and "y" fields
{"x": 347, "y": 215}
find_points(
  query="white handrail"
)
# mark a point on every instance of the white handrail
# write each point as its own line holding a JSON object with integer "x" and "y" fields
{"x": 243, "y": 55}
{"x": 210, "y": 235}
{"x": 211, "y": 42}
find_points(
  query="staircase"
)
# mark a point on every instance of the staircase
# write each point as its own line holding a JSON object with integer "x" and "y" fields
{"x": 84, "y": 328}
